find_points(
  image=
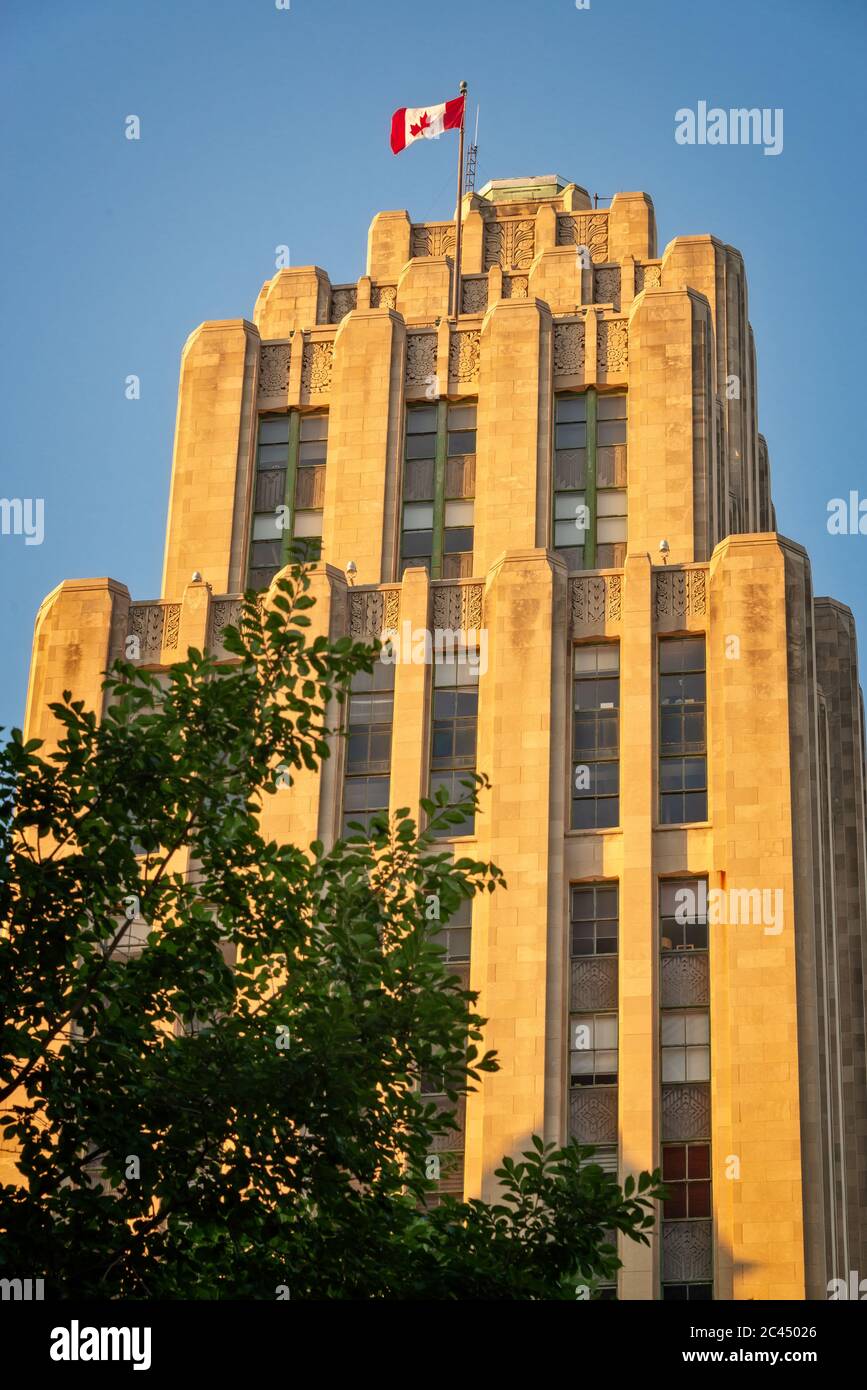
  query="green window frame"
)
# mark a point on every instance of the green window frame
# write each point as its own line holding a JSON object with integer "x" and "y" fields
{"x": 439, "y": 484}
{"x": 589, "y": 522}
{"x": 288, "y": 495}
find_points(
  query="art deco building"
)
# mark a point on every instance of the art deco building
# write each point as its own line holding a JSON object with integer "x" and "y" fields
{"x": 673, "y": 734}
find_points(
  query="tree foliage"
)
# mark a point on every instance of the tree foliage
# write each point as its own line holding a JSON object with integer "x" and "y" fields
{"x": 211, "y": 1042}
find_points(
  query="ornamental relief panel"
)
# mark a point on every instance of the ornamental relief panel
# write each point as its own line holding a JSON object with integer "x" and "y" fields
{"x": 594, "y": 983}
{"x": 595, "y": 600}
{"x": 274, "y": 363}
{"x": 680, "y": 593}
{"x": 593, "y": 1114}
{"x": 343, "y": 301}
{"x": 316, "y": 364}
{"x": 606, "y": 286}
{"x": 516, "y": 287}
{"x": 464, "y": 351}
{"x": 474, "y": 296}
{"x": 421, "y": 358}
{"x": 588, "y": 229}
{"x": 366, "y": 613}
{"x": 458, "y": 607}
{"x": 687, "y": 1251}
{"x": 569, "y": 341}
{"x": 648, "y": 277}
{"x": 612, "y": 346}
{"x": 686, "y": 1111}
{"x": 510, "y": 243}
{"x": 145, "y": 623}
{"x": 438, "y": 239}
{"x": 383, "y": 296}
{"x": 224, "y": 613}
{"x": 684, "y": 979}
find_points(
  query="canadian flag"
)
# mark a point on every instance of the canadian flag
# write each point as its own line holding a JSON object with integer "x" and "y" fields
{"x": 425, "y": 122}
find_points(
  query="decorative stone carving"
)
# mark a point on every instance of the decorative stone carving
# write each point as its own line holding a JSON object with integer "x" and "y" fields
{"x": 421, "y": 358}
{"x": 383, "y": 296}
{"x": 595, "y": 599}
{"x": 510, "y": 243}
{"x": 474, "y": 298}
{"x": 458, "y": 607}
{"x": 593, "y": 1114}
{"x": 435, "y": 239}
{"x": 146, "y": 622}
{"x": 687, "y": 1251}
{"x": 594, "y": 983}
{"x": 607, "y": 285}
{"x": 516, "y": 286}
{"x": 464, "y": 355}
{"x": 316, "y": 366}
{"x": 172, "y": 625}
{"x": 684, "y": 979}
{"x": 391, "y": 617}
{"x": 366, "y": 613}
{"x": 274, "y": 360}
{"x": 588, "y": 229}
{"x": 569, "y": 341}
{"x": 686, "y": 1111}
{"x": 612, "y": 345}
{"x": 225, "y": 612}
{"x": 647, "y": 277}
{"x": 680, "y": 593}
{"x": 343, "y": 300}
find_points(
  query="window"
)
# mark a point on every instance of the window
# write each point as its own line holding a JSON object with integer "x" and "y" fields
{"x": 596, "y": 736}
{"x": 289, "y": 492}
{"x": 438, "y": 489}
{"x": 593, "y": 1041}
{"x": 690, "y": 1293}
{"x": 686, "y": 1174}
{"x": 455, "y": 718}
{"x": 594, "y": 920}
{"x": 685, "y": 1045}
{"x": 683, "y": 914}
{"x": 590, "y": 478}
{"x": 682, "y": 731}
{"x": 368, "y": 746}
{"x": 455, "y": 936}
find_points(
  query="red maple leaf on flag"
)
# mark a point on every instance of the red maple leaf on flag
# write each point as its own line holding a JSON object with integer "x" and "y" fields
{"x": 422, "y": 125}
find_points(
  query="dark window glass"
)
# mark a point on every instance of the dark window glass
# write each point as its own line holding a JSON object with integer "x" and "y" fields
{"x": 593, "y": 1049}
{"x": 595, "y": 736}
{"x": 683, "y": 914}
{"x": 453, "y": 736}
{"x": 368, "y": 746}
{"x": 682, "y": 731}
{"x": 686, "y": 1175}
{"x": 594, "y": 919}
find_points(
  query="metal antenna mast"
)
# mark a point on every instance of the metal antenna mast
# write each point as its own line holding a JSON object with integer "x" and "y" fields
{"x": 472, "y": 158}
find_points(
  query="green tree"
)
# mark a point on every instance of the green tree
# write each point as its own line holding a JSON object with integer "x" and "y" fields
{"x": 210, "y": 1042}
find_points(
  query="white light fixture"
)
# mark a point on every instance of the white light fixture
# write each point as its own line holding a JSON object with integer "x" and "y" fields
{"x": 197, "y": 578}
{"x": 351, "y": 571}
{"x": 664, "y": 550}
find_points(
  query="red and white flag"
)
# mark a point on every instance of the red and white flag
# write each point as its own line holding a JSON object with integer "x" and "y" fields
{"x": 424, "y": 122}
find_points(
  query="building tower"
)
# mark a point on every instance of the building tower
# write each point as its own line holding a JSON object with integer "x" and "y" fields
{"x": 673, "y": 732}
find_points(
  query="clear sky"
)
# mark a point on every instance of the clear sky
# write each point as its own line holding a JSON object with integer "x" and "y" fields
{"x": 262, "y": 126}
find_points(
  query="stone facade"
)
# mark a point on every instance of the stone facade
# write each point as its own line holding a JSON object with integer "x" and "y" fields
{"x": 561, "y": 297}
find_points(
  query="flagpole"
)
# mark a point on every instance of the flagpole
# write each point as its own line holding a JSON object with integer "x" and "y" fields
{"x": 456, "y": 291}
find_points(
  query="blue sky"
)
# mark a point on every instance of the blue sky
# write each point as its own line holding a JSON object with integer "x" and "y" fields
{"x": 262, "y": 126}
